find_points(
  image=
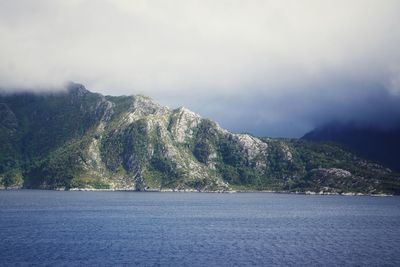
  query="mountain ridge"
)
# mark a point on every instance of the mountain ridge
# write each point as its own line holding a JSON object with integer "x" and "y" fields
{"x": 382, "y": 146}
{"x": 80, "y": 139}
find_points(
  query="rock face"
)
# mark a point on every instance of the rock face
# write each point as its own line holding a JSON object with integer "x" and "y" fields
{"x": 79, "y": 139}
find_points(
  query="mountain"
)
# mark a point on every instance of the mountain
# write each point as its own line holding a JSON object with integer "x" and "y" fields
{"x": 378, "y": 144}
{"x": 79, "y": 139}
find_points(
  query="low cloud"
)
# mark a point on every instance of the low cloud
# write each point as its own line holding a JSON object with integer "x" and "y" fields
{"x": 268, "y": 67}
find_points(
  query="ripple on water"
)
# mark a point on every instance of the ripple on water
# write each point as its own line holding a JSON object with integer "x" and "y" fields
{"x": 121, "y": 228}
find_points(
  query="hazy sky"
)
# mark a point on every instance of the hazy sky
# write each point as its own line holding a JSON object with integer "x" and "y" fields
{"x": 274, "y": 68}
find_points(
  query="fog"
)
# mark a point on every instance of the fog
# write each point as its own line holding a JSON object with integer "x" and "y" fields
{"x": 273, "y": 68}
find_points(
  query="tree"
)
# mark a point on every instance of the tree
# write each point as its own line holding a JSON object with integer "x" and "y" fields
{"x": 12, "y": 179}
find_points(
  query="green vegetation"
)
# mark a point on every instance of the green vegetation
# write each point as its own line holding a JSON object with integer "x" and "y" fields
{"x": 12, "y": 179}
{"x": 165, "y": 171}
{"x": 81, "y": 139}
{"x": 90, "y": 181}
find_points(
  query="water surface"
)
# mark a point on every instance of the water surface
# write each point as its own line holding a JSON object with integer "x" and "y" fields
{"x": 197, "y": 229}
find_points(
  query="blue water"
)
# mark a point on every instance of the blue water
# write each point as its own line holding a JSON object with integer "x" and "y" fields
{"x": 196, "y": 229}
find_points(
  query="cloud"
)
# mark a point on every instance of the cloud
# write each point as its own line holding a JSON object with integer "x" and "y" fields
{"x": 267, "y": 67}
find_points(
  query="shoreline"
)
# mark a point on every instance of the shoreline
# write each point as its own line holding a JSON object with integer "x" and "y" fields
{"x": 152, "y": 190}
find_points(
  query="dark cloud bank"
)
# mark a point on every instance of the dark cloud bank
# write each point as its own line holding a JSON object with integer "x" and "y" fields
{"x": 276, "y": 68}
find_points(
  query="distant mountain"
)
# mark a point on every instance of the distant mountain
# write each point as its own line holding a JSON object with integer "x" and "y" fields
{"x": 380, "y": 145}
{"x": 79, "y": 139}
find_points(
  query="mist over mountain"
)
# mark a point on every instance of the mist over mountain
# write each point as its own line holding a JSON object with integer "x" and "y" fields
{"x": 381, "y": 144}
{"x": 272, "y": 68}
{"x": 79, "y": 139}
{"x": 208, "y": 132}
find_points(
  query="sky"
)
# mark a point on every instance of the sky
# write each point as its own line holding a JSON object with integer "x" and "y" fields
{"x": 271, "y": 68}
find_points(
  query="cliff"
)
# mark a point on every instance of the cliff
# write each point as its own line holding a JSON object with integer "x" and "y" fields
{"x": 80, "y": 139}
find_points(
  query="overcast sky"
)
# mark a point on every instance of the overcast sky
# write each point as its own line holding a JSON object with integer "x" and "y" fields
{"x": 276, "y": 68}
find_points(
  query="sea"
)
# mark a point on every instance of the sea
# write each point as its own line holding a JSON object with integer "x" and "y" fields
{"x": 65, "y": 228}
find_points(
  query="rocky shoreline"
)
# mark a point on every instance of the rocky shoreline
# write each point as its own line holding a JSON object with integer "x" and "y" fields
{"x": 128, "y": 142}
{"x": 155, "y": 190}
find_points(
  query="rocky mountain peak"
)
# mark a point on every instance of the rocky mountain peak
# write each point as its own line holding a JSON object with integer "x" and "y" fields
{"x": 184, "y": 122}
{"x": 84, "y": 139}
{"x": 77, "y": 89}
